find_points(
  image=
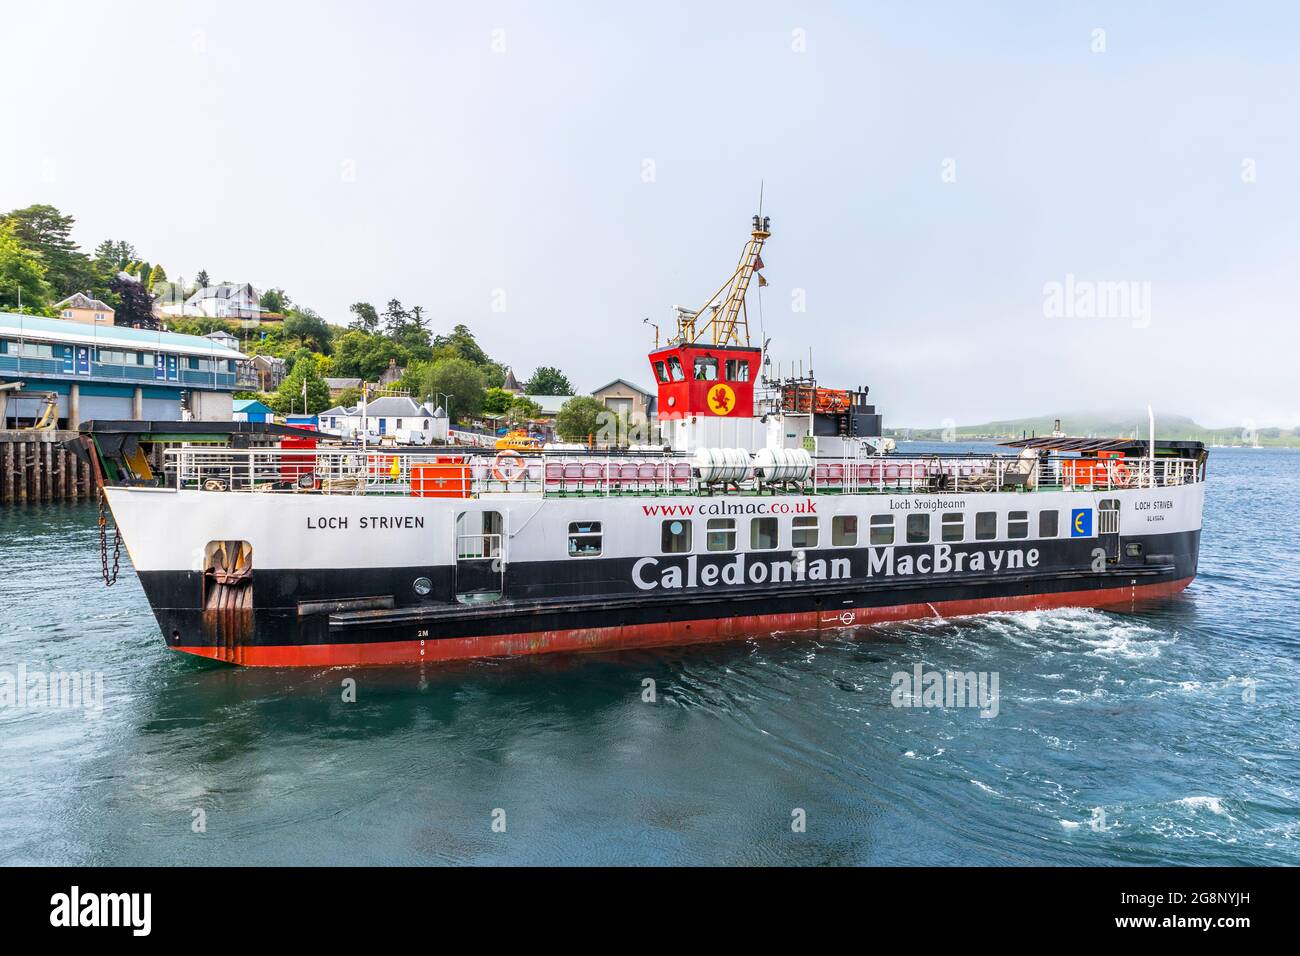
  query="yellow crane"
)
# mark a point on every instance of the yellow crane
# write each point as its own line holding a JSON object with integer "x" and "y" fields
{"x": 728, "y": 319}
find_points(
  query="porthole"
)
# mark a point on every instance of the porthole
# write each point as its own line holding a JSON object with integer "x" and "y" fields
{"x": 422, "y": 586}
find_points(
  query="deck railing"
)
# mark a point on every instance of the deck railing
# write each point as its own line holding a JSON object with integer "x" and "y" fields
{"x": 394, "y": 472}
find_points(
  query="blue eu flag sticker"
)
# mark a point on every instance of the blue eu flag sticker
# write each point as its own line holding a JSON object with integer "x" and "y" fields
{"x": 1081, "y": 523}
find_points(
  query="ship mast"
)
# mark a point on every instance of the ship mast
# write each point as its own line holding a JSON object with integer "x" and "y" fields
{"x": 728, "y": 321}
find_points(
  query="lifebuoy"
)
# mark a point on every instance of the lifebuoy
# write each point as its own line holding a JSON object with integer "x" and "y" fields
{"x": 508, "y": 466}
{"x": 1120, "y": 474}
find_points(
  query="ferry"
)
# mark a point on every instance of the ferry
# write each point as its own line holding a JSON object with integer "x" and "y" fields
{"x": 771, "y": 504}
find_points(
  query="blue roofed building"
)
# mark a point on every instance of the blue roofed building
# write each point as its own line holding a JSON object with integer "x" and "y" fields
{"x": 251, "y": 410}
{"x": 114, "y": 372}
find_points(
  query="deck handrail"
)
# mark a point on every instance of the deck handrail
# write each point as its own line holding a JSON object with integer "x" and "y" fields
{"x": 388, "y": 471}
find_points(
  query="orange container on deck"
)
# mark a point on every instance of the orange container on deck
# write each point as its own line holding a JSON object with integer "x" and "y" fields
{"x": 1082, "y": 471}
{"x": 440, "y": 480}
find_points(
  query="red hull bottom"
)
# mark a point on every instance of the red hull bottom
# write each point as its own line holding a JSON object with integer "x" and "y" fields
{"x": 665, "y": 634}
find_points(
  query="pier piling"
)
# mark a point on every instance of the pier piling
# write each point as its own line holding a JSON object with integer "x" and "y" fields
{"x": 35, "y": 467}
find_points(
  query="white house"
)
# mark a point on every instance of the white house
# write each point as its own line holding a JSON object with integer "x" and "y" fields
{"x": 222, "y": 337}
{"x": 404, "y": 419}
{"x": 226, "y": 301}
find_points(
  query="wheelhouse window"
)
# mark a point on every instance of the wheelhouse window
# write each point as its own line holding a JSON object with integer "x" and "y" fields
{"x": 737, "y": 370}
{"x": 706, "y": 368}
{"x": 804, "y": 532}
{"x": 1048, "y": 522}
{"x": 1018, "y": 524}
{"x": 661, "y": 371}
{"x": 763, "y": 534}
{"x": 882, "y": 529}
{"x": 844, "y": 531}
{"x": 720, "y": 534}
{"x": 918, "y": 529}
{"x": 986, "y": 526}
{"x": 952, "y": 526}
{"x": 675, "y": 537}
{"x": 675, "y": 369}
{"x": 585, "y": 539}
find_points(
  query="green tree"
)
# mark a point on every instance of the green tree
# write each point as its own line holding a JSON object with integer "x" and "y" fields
{"x": 461, "y": 342}
{"x": 288, "y": 400}
{"x": 48, "y": 233}
{"x": 157, "y": 278}
{"x": 21, "y": 269}
{"x": 459, "y": 378}
{"x": 112, "y": 256}
{"x": 308, "y": 328}
{"x": 201, "y": 280}
{"x": 522, "y": 409}
{"x": 276, "y": 300}
{"x": 496, "y": 401}
{"x": 348, "y": 397}
{"x": 548, "y": 381}
{"x": 365, "y": 318}
{"x": 395, "y": 318}
{"x": 360, "y": 355}
{"x": 579, "y": 417}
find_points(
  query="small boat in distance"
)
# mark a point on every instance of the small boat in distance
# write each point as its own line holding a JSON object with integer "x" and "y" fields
{"x": 773, "y": 504}
{"x": 518, "y": 440}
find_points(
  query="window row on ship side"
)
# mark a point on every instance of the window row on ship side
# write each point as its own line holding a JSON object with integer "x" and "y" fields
{"x": 586, "y": 539}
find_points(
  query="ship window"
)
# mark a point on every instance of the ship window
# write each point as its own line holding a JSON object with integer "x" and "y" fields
{"x": 675, "y": 537}
{"x": 1018, "y": 524}
{"x": 1047, "y": 524}
{"x": 844, "y": 531}
{"x": 720, "y": 534}
{"x": 918, "y": 529}
{"x": 584, "y": 539}
{"x": 661, "y": 371}
{"x": 1133, "y": 549}
{"x": 803, "y": 532}
{"x": 675, "y": 369}
{"x": 986, "y": 525}
{"x": 706, "y": 368}
{"x": 882, "y": 529}
{"x": 737, "y": 370}
{"x": 763, "y": 534}
{"x": 953, "y": 526}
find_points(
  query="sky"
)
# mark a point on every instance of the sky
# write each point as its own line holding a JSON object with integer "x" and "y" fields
{"x": 956, "y": 189}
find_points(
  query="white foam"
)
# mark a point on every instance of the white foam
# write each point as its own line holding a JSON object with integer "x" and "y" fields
{"x": 1213, "y": 804}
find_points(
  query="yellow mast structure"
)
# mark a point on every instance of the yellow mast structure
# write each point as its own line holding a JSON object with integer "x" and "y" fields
{"x": 728, "y": 319}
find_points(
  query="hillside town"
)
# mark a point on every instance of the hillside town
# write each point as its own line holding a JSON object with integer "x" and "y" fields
{"x": 110, "y": 335}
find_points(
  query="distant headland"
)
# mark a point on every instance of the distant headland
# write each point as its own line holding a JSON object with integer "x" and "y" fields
{"x": 1105, "y": 425}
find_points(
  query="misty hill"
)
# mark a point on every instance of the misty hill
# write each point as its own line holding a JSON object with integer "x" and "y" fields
{"x": 1107, "y": 425}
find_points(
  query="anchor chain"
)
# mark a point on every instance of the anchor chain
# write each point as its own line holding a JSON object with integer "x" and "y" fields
{"x": 110, "y": 577}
